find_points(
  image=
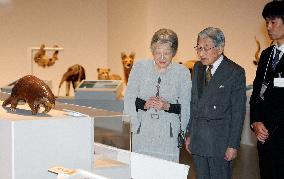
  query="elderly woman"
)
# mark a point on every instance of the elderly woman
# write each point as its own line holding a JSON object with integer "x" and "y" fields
{"x": 157, "y": 99}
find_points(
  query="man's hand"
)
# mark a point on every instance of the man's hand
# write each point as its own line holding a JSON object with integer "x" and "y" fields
{"x": 230, "y": 154}
{"x": 260, "y": 131}
{"x": 187, "y": 142}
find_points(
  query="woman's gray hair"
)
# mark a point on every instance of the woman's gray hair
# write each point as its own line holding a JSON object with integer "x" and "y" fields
{"x": 215, "y": 34}
{"x": 165, "y": 36}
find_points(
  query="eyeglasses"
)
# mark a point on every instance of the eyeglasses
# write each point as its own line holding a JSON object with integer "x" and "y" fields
{"x": 205, "y": 49}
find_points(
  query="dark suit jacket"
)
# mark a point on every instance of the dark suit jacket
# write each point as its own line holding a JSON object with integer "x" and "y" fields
{"x": 217, "y": 110}
{"x": 270, "y": 111}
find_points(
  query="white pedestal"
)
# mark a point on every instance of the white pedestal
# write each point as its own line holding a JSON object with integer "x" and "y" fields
{"x": 30, "y": 144}
{"x": 248, "y": 137}
{"x": 122, "y": 164}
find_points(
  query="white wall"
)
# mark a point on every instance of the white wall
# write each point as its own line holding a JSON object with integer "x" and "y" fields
{"x": 93, "y": 33}
{"x": 127, "y": 31}
{"x": 239, "y": 20}
{"x": 79, "y": 26}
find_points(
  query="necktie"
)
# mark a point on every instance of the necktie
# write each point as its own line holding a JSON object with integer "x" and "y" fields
{"x": 208, "y": 75}
{"x": 158, "y": 87}
{"x": 275, "y": 59}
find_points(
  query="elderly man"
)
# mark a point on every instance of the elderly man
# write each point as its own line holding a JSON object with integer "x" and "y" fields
{"x": 218, "y": 100}
{"x": 267, "y": 100}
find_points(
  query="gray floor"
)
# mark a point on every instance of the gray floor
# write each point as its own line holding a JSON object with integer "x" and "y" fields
{"x": 245, "y": 166}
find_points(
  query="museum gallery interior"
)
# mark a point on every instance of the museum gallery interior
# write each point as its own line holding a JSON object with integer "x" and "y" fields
{"x": 72, "y": 59}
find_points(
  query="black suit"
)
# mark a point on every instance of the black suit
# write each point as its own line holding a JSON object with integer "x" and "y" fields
{"x": 217, "y": 112}
{"x": 270, "y": 112}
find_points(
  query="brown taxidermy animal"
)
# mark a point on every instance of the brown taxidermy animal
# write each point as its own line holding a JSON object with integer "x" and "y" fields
{"x": 40, "y": 53}
{"x": 256, "y": 55}
{"x": 189, "y": 64}
{"x": 104, "y": 74}
{"x": 74, "y": 74}
{"x": 33, "y": 91}
{"x": 127, "y": 63}
{"x": 43, "y": 60}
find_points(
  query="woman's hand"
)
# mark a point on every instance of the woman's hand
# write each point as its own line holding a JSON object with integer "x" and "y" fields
{"x": 157, "y": 103}
{"x": 187, "y": 143}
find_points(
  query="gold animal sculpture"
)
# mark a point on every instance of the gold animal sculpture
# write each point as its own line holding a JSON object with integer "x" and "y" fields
{"x": 43, "y": 60}
{"x": 256, "y": 55}
{"x": 74, "y": 74}
{"x": 104, "y": 74}
{"x": 127, "y": 63}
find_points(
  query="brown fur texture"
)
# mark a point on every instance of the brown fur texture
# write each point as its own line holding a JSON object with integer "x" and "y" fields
{"x": 104, "y": 74}
{"x": 33, "y": 91}
{"x": 43, "y": 60}
{"x": 74, "y": 74}
{"x": 127, "y": 63}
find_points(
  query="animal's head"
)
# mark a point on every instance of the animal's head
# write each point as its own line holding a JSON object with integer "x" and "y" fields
{"x": 103, "y": 73}
{"x": 48, "y": 103}
{"x": 127, "y": 61}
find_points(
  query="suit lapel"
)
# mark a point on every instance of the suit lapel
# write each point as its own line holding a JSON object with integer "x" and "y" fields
{"x": 220, "y": 76}
{"x": 200, "y": 79}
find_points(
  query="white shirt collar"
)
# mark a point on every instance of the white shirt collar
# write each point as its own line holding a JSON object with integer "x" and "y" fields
{"x": 281, "y": 48}
{"x": 216, "y": 64}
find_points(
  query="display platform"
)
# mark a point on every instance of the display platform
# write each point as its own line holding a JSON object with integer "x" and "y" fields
{"x": 133, "y": 165}
{"x": 110, "y": 105}
{"x": 114, "y": 163}
{"x": 248, "y": 137}
{"x": 30, "y": 144}
{"x": 99, "y": 89}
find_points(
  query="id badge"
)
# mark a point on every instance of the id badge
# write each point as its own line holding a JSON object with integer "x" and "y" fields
{"x": 262, "y": 90}
{"x": 279, "y": 82}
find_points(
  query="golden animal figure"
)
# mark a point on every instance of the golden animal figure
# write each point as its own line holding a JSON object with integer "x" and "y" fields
{"x": 104, "y": 74}
{"x": 256, "y": 55}
{"x": 43, "y": 60}
{"x": 189, "y": 64}
{"x": 127, "y": 63}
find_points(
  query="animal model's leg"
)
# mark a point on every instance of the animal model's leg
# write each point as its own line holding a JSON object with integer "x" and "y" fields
{"x": 14, "y": 103}
{"x": 34, "y": 107}
{"x": 7, "y": 102}
{"x": 68, "y": 88}
{"x": 74, "y": 85}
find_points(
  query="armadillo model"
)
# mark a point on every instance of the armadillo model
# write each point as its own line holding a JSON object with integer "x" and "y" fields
{"x": 33, "y": 91}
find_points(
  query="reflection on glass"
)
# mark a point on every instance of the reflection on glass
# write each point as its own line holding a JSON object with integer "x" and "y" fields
{"x": 99, "y": 84}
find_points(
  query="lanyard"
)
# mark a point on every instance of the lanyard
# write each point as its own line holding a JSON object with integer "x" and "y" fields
{"x": 272, "y": 51}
